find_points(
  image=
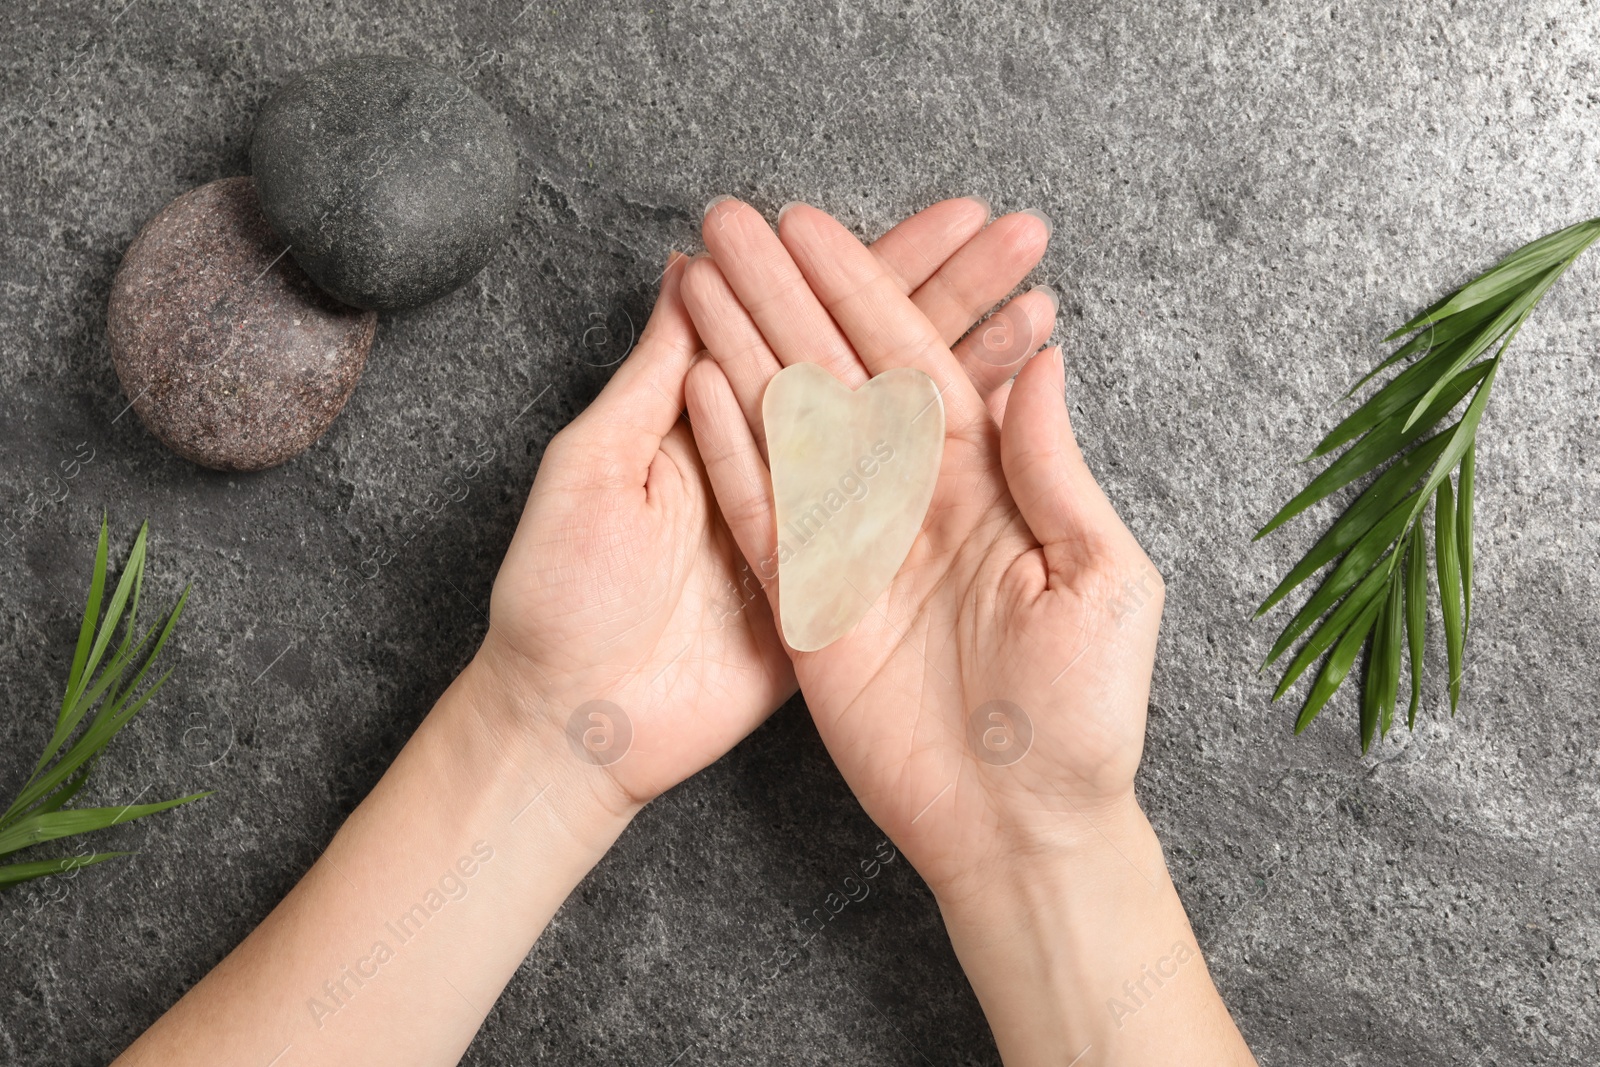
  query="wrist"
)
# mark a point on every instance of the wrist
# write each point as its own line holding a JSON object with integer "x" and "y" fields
{"x": 1088, "y": 947}
{"x": 1035, "y": 934}
{"x": 512, "y": 736}
{"x": 1030, "y": 872}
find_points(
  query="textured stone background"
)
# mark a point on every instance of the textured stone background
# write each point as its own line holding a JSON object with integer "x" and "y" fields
{"x": 1246, "y": 196}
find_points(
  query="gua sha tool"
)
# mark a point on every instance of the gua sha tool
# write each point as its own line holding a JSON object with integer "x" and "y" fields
{"x": 852, "y": 475}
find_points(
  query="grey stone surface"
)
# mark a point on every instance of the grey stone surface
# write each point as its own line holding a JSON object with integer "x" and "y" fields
{"x": 1246, "y": 196}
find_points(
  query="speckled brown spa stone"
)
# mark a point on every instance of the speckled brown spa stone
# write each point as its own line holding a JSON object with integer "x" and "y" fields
{"x": 228, "y": 352}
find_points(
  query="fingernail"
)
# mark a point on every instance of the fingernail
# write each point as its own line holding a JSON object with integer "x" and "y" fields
{"x": 784, "y": 210}
{"x": 983, "y": 202}
{"x": 713, "y": 202}
{"x": 1055, "y": 298}
{"x": 1049, "y": 227}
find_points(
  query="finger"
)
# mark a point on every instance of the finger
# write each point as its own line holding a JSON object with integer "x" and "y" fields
{"x": 913, "y": 252}
{"x": 732, "y": 338}
{"x": 739, "y": 478}
{"x": 996, "y": 402}
{"x": 918, "y": 247}
{"x": 1057, "y": 496}
{"x": 1000, "y": 344}
{"x": 645, "y": 396}
{"x": 882, "y": 324}
{"x": 983, "y": 272}
{"x": 764, "y": 276}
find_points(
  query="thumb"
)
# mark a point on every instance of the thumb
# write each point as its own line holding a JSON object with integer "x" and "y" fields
{"x": 1059, "y": 499}
{"x": 643, "y": 399}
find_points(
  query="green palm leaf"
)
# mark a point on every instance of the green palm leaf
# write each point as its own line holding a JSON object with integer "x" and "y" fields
{"x": 1334, "y": 627}
{"x": 1533, "y": 258}
{"x": 91, "y": 616}
{"x": 104, "y": 692}
{"x": 1464, "y": 528}
{"x": 1379, "y": 499}
{"x": 1402, "y": 391}
{"x": 12, "y": 873}
{"x": 1416, "y": 615}
{"x": 1448, "y": 557}
{"x": 51, "y": 825}
{"x": 1442, "y": 342}
{"x": 1338, "y": 663}
{"x": 1356, "y": 563}
{"x": 1379, "y": 445}
{"x": 1502, "y": 328}
{"x": 1376, "y": 594}
{"x": 1387, "y": 646}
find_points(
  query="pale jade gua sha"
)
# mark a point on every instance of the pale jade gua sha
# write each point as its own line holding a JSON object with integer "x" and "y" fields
{"x": 852, "y": 475}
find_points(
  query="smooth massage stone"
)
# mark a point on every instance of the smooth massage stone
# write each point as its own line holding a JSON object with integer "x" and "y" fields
{"x": 392, "y": 182}
{"x": 226, "y": 350}
{"x": 852, "y": 475}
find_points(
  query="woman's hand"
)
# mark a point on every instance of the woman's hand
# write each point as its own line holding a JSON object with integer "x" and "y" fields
{"x": 989, "y": 709}
{"x": 624, "y": 615}
{"x": 991, "y": 704}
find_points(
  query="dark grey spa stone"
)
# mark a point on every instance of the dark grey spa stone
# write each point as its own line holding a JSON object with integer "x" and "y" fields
{"x": 390, "y": 180}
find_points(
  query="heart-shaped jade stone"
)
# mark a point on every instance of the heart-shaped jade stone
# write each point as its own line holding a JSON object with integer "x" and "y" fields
{"x": 852, "y": 475}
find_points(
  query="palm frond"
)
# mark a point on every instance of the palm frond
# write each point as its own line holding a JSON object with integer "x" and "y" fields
{"x": 1375, "y": 596}
{"x": 13, "y": 873}
{"x": 104, "y": 692}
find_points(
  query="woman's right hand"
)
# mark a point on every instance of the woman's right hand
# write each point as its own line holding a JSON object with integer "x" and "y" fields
{"x": 990, "y": 705}
{"x": 989, "y": 709}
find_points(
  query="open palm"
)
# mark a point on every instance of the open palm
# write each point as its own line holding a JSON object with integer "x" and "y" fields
{"x": 988, "y": 702}
{"x": 624, "y": 612}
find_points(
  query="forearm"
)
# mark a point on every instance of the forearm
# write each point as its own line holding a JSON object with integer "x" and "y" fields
{"x": 397, "y": 941}
{"x": 1090, "y": 955}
